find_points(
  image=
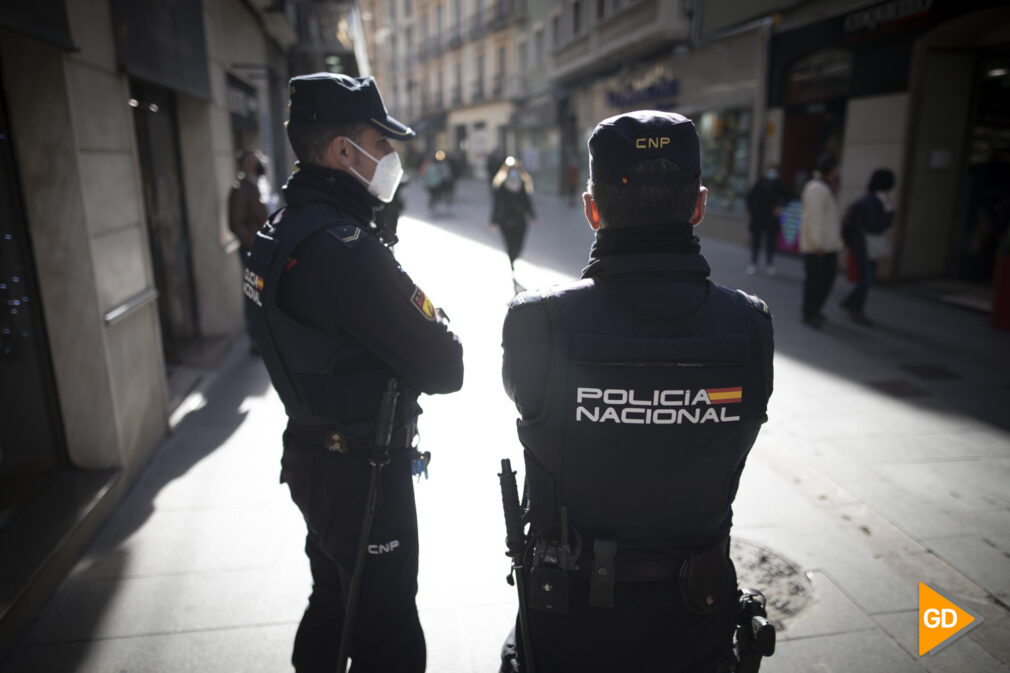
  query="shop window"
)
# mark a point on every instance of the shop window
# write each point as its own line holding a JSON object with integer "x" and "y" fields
{"x": 725, "y": 154}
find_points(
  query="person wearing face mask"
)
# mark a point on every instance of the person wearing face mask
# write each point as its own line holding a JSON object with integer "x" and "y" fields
{"x": 764, "y": 205}
{"x": 340, "y": 327}
{"x": 511, "y": 187}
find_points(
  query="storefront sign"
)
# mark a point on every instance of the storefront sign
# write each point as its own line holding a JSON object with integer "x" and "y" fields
{"x": 44, "y": 19}
{"x": 885, "y": 18}
{"x": 662, "y": 90}
{"x": 647, "y": 85}
{"x": 162, "y": 41}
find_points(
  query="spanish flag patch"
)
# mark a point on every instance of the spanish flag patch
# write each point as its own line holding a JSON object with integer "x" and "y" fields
{"x": 725, "y": 395}
{"x": 423, "y": 304}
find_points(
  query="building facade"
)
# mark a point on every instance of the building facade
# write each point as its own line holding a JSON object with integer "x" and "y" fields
{"x": 120, "y": 127}
{"x": 922, "y": 88}
{"x": 917, "y": 86}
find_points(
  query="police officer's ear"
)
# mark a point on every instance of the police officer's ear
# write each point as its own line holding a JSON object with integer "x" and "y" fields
{"x": 699, "y": 208}
{"x": 592, "y": 214}
{"x": 338, "y": 153}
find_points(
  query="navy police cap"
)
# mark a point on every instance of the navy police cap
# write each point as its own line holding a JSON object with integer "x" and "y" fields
{"x": 619, "y": 143}
{"x": 326, "y": 97}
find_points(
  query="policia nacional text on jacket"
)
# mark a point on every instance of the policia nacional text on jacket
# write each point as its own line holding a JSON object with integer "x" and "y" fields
{"x": 640, "y": 389}
{"x": 336, "y": 318}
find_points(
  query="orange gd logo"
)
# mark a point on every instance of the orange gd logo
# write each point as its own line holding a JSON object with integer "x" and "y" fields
{"x": 940, "y": 621}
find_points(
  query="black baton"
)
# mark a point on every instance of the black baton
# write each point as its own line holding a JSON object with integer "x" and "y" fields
{"x": 377, "y": 458}
{"x": 516, "y": 551}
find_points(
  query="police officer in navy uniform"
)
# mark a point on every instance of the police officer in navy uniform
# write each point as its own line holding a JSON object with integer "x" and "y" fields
{"x": 640, "y": 389}
{"x": 336, "y": 319}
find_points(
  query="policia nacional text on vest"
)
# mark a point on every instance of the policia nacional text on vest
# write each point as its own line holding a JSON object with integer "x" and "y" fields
{"x": 611, "y": 418}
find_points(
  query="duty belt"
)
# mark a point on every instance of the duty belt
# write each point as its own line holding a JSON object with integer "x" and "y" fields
{"x": 635, "y": 570}
{"x": 333, "y": 438}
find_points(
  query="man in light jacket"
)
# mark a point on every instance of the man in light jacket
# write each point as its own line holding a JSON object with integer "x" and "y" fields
{"x": 820, "y": 239}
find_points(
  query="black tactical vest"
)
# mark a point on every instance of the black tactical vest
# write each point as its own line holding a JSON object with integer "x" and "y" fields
{"x": 646, "y": 424}
{"x": 311, "y": 369}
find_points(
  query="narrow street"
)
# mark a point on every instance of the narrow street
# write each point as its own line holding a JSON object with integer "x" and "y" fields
{"x": 885, "y": 463}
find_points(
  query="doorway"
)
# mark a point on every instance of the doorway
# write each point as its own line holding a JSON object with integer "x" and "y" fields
{"x": 156, "y": 126}
{"x": 986, "y": 186}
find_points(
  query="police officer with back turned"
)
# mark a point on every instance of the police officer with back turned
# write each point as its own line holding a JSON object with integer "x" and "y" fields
{"x": 338, "y": 323}
{"x": 640, "y": 390}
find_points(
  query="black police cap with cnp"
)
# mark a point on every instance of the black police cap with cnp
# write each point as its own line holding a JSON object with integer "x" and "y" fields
{"x": 620, "y": 143}
{"x": 333, "y": 98}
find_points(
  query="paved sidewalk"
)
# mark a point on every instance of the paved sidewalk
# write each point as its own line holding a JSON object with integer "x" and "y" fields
{"x": 885, "y": 463}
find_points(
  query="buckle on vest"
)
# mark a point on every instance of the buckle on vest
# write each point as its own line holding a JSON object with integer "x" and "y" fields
{"x": 601, "y": 582}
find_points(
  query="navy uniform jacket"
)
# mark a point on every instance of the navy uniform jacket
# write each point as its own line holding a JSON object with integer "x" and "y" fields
{"x": 342, "y": 281}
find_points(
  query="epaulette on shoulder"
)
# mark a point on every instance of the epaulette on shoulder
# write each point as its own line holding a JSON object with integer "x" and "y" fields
{"x": 348, "y": 234}
{"x": 756, "y": 302}
{"x": 526, "y": 298}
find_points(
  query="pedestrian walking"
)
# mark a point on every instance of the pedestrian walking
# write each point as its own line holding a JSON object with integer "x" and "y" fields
{"x": 246, "y": 211}
{"x": 820, "y": 238}
{"x": 350, "y": 342}
{"x": 864, "y": 231}
{"x": 627, "y": 563}
{"x": 765, "y": 202}
{"x": 437, "y": 177}
{"x": 510, "y": 208}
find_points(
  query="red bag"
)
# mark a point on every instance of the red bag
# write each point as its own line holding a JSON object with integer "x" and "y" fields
{"x": 851, "y": 268}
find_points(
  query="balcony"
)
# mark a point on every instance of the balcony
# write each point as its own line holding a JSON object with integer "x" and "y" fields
{"x": 477, "y": 27}
{"x": 518, "y": 86}
{"x": 477, "y": 93}
{"x": 503, "y": 13}
{"x": 637, "y": 29}
{"x": 454, "y": 37}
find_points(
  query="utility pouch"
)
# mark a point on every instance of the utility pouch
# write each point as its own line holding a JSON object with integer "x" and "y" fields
{"x": 549, "y": 589}
{"x": 707, "y": 580}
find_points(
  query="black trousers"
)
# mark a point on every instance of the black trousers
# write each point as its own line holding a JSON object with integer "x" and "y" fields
{"x": 647, "y": 631}
{"x": 770, "y": 233}
{"x": 514, "y": 233}
{"x": 820, "y": 277}
{"x": 330, "y": 489}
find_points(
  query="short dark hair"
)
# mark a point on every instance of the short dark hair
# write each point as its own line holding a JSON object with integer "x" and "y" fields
{"x": 826, "y": 163}
{"x": 309, "y": 141}
{"x": 882, "y": 180}
{"x": 624, "y": 206}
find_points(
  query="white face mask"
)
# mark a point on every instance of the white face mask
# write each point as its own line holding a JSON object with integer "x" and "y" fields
{"x": 386, "y": 178}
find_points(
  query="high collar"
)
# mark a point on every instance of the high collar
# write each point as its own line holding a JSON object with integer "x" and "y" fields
{"x": 655, "y": 265}
{"x": 312, "y": 183}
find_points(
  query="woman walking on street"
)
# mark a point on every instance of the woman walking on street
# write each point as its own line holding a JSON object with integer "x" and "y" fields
{"x": 511, "y": 188}
{"x": 866, "y": 220}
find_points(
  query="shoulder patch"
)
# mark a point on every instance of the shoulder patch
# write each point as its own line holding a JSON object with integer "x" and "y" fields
{"x": 526, "y": 297}
{"x": 348, "y": 234}
{"x": 423, "y": 304}
{"x": 756, "y": 302}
